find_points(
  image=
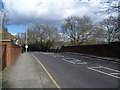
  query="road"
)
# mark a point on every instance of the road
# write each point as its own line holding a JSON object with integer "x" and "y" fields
{"x": 75, "y": 71}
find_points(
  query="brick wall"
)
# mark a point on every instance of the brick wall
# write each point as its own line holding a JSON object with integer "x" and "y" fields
{"x": 2, "y": 56}
{"x": 12, "y": 52}
{"x": 112, "y": 49}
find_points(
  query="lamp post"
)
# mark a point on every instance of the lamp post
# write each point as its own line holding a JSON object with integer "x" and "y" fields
{"x": 119, "y": 14}
{"x": 1, "y": 22}
{"x": 26, "y": 44}
{"x": 2, "y": 16}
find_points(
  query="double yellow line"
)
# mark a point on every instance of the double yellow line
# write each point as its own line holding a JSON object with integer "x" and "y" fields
{"x": 47, "y": 73}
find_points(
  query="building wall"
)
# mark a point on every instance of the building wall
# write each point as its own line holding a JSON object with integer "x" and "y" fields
{"x": 111, "y": 50}
{"x": 12, "y": 52}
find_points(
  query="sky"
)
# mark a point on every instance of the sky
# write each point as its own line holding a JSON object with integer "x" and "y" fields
{"x": 51, "y": 12}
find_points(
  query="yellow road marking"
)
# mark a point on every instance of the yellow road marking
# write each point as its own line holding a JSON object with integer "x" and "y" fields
{"x": 47, "y": 73}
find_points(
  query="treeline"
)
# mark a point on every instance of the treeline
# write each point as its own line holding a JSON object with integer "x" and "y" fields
{"x": 74, "y": 31}
{"x": 81, "y": 30}
{"x": 39, "y": 37}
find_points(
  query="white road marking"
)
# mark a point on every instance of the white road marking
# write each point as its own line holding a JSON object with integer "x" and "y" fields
{"x": 60, "y": 55}
{"x": 74, "y": 61}
{"x": 48, "y": 53}
{"x": 109, "y": 74}
{"x": 69, "y": 61}
{"x": 109, "y": 69}
{"x": 69, "y": 58}
{"x": 96, "y": 67}
{"x": 115, "y": 73}
{"x": 63, "y": 59}
{"x": 57, "y": 55}
{"x": 82, "y": 63}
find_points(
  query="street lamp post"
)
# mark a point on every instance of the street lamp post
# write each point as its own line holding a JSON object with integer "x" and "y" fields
{"x": 1, "y": 22}
{"x": 119, "y": 14}
{"x": 26, "y": 46}
{"x": 1, "y": 18}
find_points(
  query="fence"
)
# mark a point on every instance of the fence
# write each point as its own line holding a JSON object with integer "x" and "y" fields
{"x": 112, "y": 49}
{"x": 9, "y": 53}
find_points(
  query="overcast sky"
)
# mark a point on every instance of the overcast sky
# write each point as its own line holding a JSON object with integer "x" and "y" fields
{"x": 51, "y": 11}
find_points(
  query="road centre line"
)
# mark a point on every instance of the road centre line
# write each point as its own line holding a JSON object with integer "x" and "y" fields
{"x": 47, "y": 72}
{"x": 92, "y": 68}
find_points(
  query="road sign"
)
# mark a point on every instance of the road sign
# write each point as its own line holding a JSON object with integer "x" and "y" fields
{"x": 26, "y": 46}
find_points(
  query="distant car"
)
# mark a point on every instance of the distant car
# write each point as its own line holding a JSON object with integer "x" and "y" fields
{"x": 56, "y": 48}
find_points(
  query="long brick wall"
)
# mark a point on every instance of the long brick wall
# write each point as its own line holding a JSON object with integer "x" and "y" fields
{"x": 111, "y": 50}
{"x": 11, "y": 52}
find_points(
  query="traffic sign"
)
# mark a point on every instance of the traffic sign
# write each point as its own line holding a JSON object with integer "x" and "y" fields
{"x": 26, "y": 46}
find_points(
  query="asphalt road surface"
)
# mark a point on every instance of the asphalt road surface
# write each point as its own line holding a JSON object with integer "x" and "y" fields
{"x": 75, "y": 71}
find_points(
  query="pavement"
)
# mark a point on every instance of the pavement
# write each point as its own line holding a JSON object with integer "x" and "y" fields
{"x": 26, "y": 72}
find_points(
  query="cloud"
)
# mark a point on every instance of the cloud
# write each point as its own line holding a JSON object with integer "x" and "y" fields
{"x": 14, "y": 34}
{"x": 49, "y": 11}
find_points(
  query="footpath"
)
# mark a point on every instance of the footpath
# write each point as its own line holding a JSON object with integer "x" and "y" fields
{"x": 26, "y": 72}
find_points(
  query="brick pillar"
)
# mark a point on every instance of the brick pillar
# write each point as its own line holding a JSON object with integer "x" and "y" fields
{"x": 8, "y": 54}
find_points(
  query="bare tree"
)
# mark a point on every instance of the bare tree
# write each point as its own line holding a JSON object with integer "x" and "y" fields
{"x": 78, "y": 29}
{"x": 42, "y": 33}
{"x": 51, "y": 33}
{"x": 98, "y": 36}
{"x": 109, "y": 7}
{"x": 35, "y": 34}
{"x": 21, "y": 38}
{"x": 112, "y": 30}
{"x": 4, "y": 17}
{"x": 111, "y": 24}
